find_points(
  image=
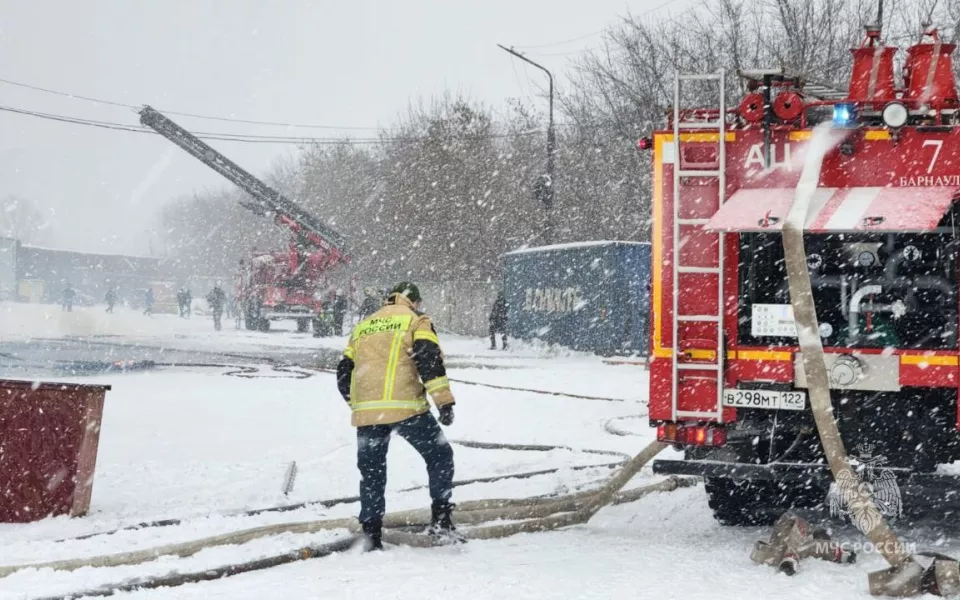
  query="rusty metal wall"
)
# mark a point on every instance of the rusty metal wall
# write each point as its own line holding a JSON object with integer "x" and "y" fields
{"x": 49, "y": 436}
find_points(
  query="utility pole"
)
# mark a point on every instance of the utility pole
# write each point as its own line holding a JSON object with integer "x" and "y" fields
{"x": 544, "y": 186}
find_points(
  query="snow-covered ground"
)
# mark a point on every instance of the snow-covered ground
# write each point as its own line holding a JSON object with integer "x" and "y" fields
{"x": 195, "y": 444}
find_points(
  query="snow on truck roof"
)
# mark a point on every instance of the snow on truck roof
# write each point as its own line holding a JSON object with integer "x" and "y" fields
{"x": 574, "y": 245}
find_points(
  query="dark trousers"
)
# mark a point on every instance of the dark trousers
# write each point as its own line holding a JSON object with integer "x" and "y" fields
{"x": 424, "y": 434}
{"x": 216, "y": 319}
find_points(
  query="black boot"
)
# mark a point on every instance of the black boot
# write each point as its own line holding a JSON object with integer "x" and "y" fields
{"x": 441, "y": 524}
{"x": 372, "y": 536}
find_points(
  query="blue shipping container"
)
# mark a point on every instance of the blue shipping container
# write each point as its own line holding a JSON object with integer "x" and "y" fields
{"x": 588, "y": 296}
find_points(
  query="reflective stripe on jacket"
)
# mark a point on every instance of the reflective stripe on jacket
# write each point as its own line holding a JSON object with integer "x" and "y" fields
{"x": 385, "y": 379}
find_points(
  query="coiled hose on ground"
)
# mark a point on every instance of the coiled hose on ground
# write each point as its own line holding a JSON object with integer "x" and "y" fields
{"x": 329, "y": 503}
{"x": 529, "y": 515}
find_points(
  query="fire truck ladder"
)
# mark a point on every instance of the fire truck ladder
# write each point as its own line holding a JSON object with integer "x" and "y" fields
{"x": 309, "y": 229}
{"x": 700, "y": 369}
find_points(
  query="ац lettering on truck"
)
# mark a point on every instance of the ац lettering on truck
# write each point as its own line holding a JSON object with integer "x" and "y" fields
{"x": 726, "y": 381}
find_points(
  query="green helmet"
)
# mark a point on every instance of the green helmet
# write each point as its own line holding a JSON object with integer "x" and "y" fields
{"x": 405, "y": 288}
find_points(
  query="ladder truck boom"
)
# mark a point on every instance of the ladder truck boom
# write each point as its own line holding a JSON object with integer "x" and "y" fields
{"x": 308, "y": 229}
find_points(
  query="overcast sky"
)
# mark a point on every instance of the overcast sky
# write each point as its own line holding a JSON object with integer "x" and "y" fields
{"x": 349, "y": 63}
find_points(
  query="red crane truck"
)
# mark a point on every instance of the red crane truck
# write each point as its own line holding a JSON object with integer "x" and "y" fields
{"x": 279, "y": 284}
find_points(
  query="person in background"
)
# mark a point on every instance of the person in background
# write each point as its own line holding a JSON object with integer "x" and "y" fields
{"x": 237, "y": 313}
{"x": 181, "y": 301}
{"x": 148, "y": 302}
{"x": 339, "y": 312}
{"x": 111, "y": 299}
{"x": 498, "y": 321}
{"x": 69, "y": 295}
{"x": 392, "y": 361}
{"x": 371, "y": 303}
{"x": 187, "y": 302}
{"x": 216, "y": 299}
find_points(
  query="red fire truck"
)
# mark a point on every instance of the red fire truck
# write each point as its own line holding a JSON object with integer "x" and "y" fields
{"x": 882, "y": 235}
{"x": 282, "y": 284}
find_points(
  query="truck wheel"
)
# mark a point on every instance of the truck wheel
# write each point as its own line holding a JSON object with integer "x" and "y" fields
{"x": 303, "y": 325}
{"x": 740, "y": 503}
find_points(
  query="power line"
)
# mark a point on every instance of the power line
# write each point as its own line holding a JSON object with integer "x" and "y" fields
{"x": 203, "y": 135}
{"x": 245, "y": 138}
{"x": 592, "y": 34}
{"x": 672, "y": 19}
{"x": 215, "y": 135}
{"x": 183, "y": 114}
{"x": 564, "y": 42}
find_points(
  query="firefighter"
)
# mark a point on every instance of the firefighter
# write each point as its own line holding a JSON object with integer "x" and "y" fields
{"x": 148, "y": 302}
{"x": 111, "y": 299}
{"x": 69, "y": 294}
{"x": 216, "y": 299}
{"x": 371, "y": 303}
{"x": 339, "y": 312}
{"x": 392, "y": 360}
{"x": 498, "y": 322}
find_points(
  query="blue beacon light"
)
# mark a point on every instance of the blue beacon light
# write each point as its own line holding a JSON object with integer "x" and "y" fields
{"x": 844, "y": 114}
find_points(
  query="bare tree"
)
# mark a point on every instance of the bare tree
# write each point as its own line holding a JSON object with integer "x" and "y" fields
{"x": 20, "y": 219}
{"x": 450, "y": 187}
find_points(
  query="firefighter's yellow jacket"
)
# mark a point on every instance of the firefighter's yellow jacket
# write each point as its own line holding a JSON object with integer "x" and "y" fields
{"x": 393, "y": 359}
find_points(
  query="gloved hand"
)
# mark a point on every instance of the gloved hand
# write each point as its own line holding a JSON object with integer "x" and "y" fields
{"x": 446, "y": 414}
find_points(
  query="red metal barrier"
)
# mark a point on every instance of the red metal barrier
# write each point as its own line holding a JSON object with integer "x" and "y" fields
{"x": 49, "y": 433}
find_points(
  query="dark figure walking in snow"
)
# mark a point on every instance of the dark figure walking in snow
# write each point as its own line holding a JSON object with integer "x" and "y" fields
{"x": 69, "y": 294}
{"x": 148, "y": 302}
{"x": 339, "y": 312}
{"x": 184, "y": 301}
{"x": 395, "y": 350}
{"x": 371, "y": 303}
{"x": 111, "y": 299}
{"x": 216, "y": 299}
{"x": 498, "y": 321}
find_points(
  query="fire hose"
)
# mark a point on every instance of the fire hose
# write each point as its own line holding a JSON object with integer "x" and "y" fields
{"x": 544, "y": 392}
{"x": 330, "y": 503}
{"x": 905, "y": 575}
{"x": 508, "y": 388}
{"x": 529, "y": 515}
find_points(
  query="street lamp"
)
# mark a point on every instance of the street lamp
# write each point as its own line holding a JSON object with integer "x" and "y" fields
{"x": 544, "y": 187}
